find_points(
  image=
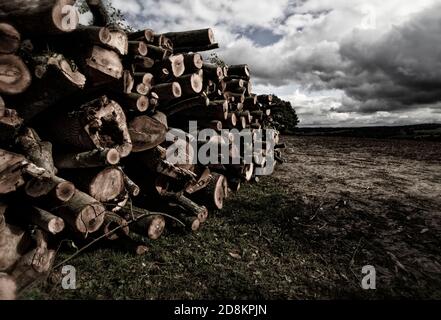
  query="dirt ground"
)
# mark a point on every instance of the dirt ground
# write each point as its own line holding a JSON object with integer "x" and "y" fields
{"x": 372, "y": 202}
{"x": 306, "y": 232}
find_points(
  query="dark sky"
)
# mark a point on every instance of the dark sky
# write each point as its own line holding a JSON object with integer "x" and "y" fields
{"x": 340, "y": 62}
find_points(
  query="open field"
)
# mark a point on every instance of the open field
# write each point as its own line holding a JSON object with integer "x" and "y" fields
{"x": 306, "y": 232}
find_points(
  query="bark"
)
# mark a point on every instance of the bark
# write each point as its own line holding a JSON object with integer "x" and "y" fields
{"x": 40, "y": 16}
{"x": 138, "y": 48}
{"x": 82, "y": 213}
{"x": 198, "y": 103}
{"x": 89, "y": 159}
{"x": 99, "y": 12}
{"x": 14, "y": 242}
{"x": 146, "y": 35}
{"x": 134, "y": 102}
{"x": 11, "y": 175}
{"x": 190, "y": 84}
{"x": 142, "y": 64}
{"x": 131, "y": 186}
{"x": 175, "y": 65}
{"x": 113, "y": 221}
{"x": 50, "y": 189}
{"x": 34, "y": 264}
{"x": 102, "y": 65}
{"x": 201, "y": 182}
{"x": 100, "y": 123}
{"x": 239, "y": 71}
{"x": 191, "y": 207}
{"x": 10, "y": 123}
{"x": 157, "y": 53}
{"x": 56, "y": 79}
{"x": 161, "y": 117}
{"x": 46, "y": 220}
{"x": 143, "y": 222}
{"x": 212, "y": 71}
{"x": 167, "y": 91}
{"x": 15, "y": 77}
{"x": 234, "y": 97}
{"x": 37, "y": 151}
{"x": 210, "y": 47}
{"x": 192, "y": 38}
{"x": 193, "y": 62}
{"x": 265, "y": 99}
{"x": 146, "y": 133}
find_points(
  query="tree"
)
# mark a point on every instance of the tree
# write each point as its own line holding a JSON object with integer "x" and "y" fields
{"x": 116, "y": 16}
{"x": 214, "y": 58}
{"x": 284, "y": 115}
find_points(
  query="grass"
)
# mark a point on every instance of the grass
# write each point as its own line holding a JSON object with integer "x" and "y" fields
{"x": 246, "y": 251}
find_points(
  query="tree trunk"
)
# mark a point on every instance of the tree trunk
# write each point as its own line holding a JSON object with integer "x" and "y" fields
{"x": 113, "y": 221}
{"x": 134, "y": 102}
{"x": 145, "y": 223}
{"x": 200, "y": 212}
{"x": 34, "y": 264}
{"x": 89, "y": 159}
{"x": 190, "y": 84}
{"x": 199, "y": 102}
{"x": 102, "y": 65}
{"x": 212, "y": 72}
{"x": 56, "y": 80}
{"x": 146, "y": 133}
{"x": 142, "y": 64}
{"x": 82, "y": 213}
{"x": 11, "y": 175}
{"x": 40, "y": 17}
{"x": 193, "y": 38}
{"x": 174, "y": 64}
{"x": 146, "y": 35}
{"x": 45, "y": 220}
{"x": 193, "y": 62}
{"x": 157, "y": 53}
{"x": 239, "y": 72}
{"x": 167, "y": 91}
{"x": 50, "y": 189}
{"x": 10, "y": 123}
{"x": 14, "y": 242}
{"x": 131, "y": 186}
{"x": 138, "y": 48}
{"x": 98, "y": 124}
{"x": 37, "y": 151}
{"x": 100, "y": 15}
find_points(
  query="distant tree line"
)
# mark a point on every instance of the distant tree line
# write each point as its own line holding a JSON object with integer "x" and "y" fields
{"x": 284, "y": 116}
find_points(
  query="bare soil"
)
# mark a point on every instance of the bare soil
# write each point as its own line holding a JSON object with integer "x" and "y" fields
{"x": 306, "y": 232}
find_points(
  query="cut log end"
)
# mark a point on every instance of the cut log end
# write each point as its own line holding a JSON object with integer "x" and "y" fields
{"x": 15, "y": 77}
{"x": 156, "y": 228}
{"x": 9, "y": 38}
{"x": 65, "y": 16}
{"x": 107, "y": 185}
{"x": 64, "y": 191}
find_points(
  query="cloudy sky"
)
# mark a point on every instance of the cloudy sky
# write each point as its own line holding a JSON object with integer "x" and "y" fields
{"x": 339, "y": 62}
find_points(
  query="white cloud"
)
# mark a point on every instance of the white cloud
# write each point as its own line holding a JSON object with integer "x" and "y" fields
{"x": 338, "y": 61}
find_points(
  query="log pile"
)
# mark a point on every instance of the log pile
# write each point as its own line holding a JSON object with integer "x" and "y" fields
{"x": 85, "y": 118}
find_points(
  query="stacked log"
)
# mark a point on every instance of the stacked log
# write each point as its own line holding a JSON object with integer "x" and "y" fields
{"x": 85, "y": 146}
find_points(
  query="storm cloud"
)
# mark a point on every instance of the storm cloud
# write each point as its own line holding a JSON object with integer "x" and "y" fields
{"x": 339, "y": 62}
